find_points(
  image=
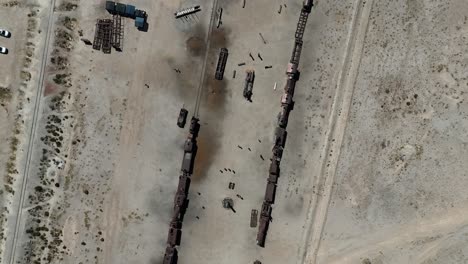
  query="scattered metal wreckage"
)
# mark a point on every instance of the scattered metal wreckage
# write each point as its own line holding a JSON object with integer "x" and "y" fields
{"x": 263, "y": 39}
{"x": 263, "y": 218}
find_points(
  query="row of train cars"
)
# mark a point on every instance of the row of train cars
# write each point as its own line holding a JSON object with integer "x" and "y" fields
{"x": 287, "y": 105}
{"x": 181, "y": 198}
{"x": 190, "y": 148}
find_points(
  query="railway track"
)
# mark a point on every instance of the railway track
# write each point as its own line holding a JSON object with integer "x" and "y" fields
{"x": 287, "y": 105}
{"x": 202, "y": 81}
{"x": 181, "y": 200}
{"x": 37, "y": 108}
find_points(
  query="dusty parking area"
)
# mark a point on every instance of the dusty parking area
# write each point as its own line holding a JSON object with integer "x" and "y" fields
{"x": 374, "y": 155}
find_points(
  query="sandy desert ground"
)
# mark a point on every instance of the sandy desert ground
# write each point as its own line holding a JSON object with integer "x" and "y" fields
{"x": 374, "y": 169}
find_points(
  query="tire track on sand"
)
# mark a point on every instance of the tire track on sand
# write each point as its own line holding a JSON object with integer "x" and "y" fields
{"x": 337, "y": 122}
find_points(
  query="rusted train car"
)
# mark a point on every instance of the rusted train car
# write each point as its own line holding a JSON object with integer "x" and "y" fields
{"x": 264, "y": 222}
{"x": 270, "y": 193}
{"x": 184, "y": 184}
{"x": 280, "y": 137}
{"x": 248, "y": 86}
{"x": 171, "y": 256}
{"x": 274, "y": 171}
{"x": 222, "y": 60}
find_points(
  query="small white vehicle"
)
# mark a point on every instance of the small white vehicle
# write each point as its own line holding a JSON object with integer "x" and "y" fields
{"x": 5, "y": 33}
{"x": 3, "y": 50}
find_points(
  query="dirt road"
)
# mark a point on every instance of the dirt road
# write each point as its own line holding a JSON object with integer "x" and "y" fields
{"x": 37, "y": 108}
{"x": 337, "y": 127}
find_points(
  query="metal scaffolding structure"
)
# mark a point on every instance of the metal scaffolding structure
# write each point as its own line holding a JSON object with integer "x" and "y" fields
{"x": 118, "y": 33}
{"x": 103, "y": 35}
{"x": 97, "y": 43}
{"x": 107, "y": 29}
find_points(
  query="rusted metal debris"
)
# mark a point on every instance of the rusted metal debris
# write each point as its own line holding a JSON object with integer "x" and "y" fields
{"x": 263, "y": 39}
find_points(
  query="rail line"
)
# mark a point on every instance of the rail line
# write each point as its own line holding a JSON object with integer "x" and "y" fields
{"x": 37, "y": 108}
{"x": 287, "y": 105}
{"x": 181, "y": 201}
{"x": 202, "y": 81}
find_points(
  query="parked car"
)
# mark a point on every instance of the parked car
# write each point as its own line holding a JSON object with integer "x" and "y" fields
{"x": 5, "y": 33}
{"x": 3, "y": 50}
